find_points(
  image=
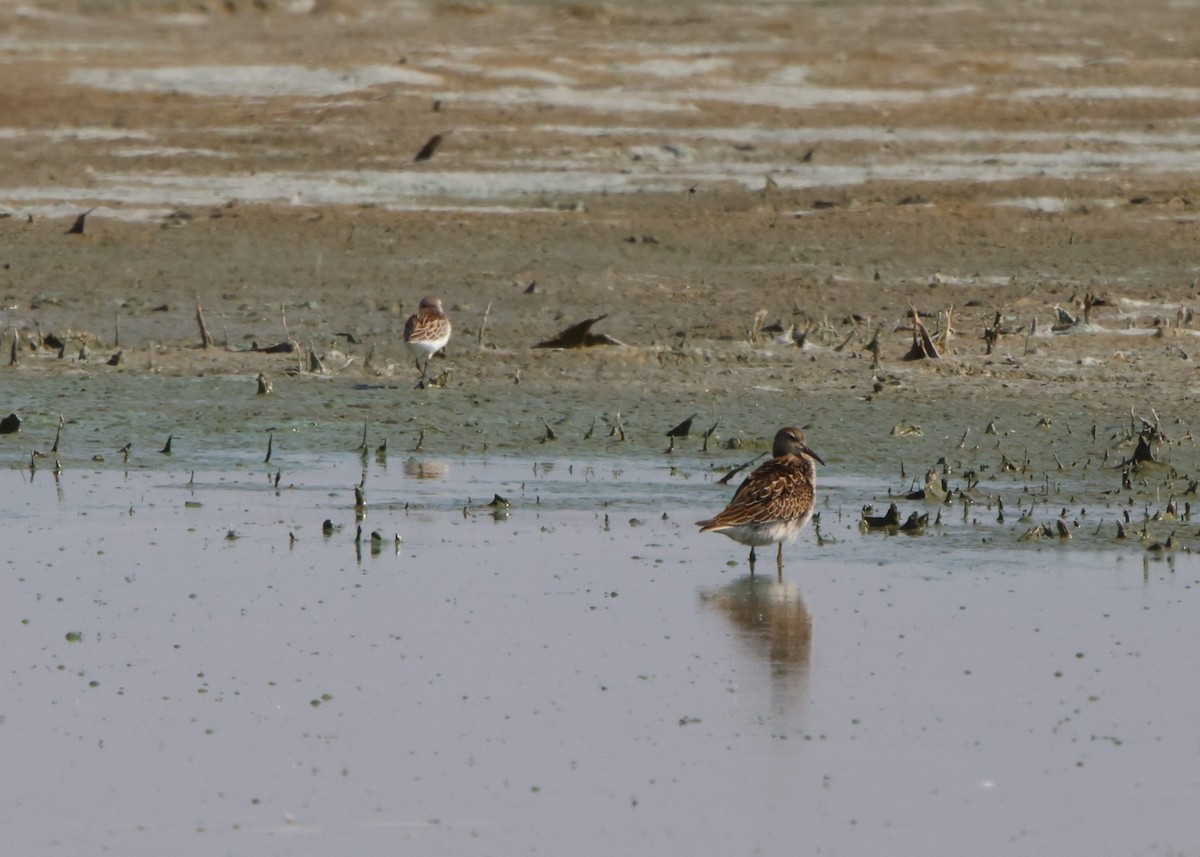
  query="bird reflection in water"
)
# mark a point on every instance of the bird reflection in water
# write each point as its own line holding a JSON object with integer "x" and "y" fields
{"x": 418, "y": 468}
{"x": 775, "y": 623}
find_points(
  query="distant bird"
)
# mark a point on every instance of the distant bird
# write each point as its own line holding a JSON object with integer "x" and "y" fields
{"x": 427, "y": 333}
{"x": 775, "y": 501}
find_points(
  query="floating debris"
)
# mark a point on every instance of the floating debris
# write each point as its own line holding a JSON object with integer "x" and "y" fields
{"x": 1063, "y": 320}
{"x": 890, "y": 520}
{"x": 440, "y": 380}
{"x": 915, "y": 525}
{"x": 934, "y": 489}
{"x": 906, "y": 429}
{"x": 11, "y": 424}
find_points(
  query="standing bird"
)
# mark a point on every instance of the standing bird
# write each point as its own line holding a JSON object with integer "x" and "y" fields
{"x": 775, "y": 501}
{"x": 427, "y": 332}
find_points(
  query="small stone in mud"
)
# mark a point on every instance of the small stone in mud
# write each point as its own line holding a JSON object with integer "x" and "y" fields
{"x": 10, "y": 424}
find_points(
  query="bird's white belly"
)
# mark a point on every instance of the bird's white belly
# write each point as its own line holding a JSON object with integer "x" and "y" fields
{"x": 769, "y": 533}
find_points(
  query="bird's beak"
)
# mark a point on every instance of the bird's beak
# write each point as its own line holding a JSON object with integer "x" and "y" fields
{"x": 814, "y": 455}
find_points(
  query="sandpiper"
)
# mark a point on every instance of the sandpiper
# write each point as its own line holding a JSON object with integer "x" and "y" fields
{"x": 427, "y": 332}
{"x": 775, "y": 501}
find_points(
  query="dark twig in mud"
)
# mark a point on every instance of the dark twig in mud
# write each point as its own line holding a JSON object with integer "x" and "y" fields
{"x": 709, "y": 433}
{"x": 874, "y": 347}
{"x": 841, "y": 346}
{"x": 270, "y": 447}
{"x": 362, "y": 446}
{"x": 315, "y": 365}
{"x": 991, "y": 334}
{"x": 945, "y": 328}
{"x": 724, "y": 480}
{"x": 57, "y": 433}
{"x": 549, "y": 435}
{"x": 117, "y": 332}
{"x": 617, "y": 430}
{"x": 13, "y": 359}
{"x": 78, "y": 226}
{"x": 360, "y": 502}
{"x": 285, "y": 347}
{"x": 483, "y": 323}
{"x": 206, "y": 339}
{"x": 756, "y": 326}
{"x": 125, "y": 450}
{"x": 166, "y": 450}
{"x": 579, "y": 335}
{"x": 923, "y": 347}
{"x": 420, "y": 441}
{"x": 428, "y": 149}
{"x": 681, "y": 430}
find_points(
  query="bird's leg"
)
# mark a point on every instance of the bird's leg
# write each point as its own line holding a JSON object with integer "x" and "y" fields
{"x": 752, "y": 559}
{"x": 779, "y": 562}
{"x": 424, "y": 371}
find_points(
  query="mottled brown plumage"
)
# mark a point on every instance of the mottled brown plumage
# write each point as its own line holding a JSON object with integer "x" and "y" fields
{"x": 426, "y": 332}
{"x": 775, "y": 501}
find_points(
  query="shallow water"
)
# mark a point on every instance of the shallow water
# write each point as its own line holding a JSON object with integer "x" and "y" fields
{"x": 585, "y": 673}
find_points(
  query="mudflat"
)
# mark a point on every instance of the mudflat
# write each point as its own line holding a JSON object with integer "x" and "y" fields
{"x": 752, "y": 200}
